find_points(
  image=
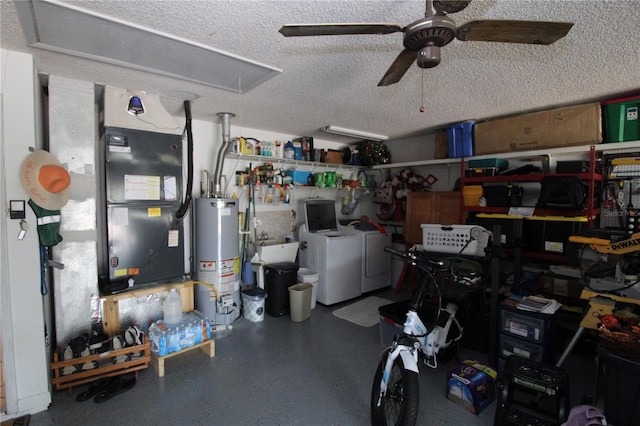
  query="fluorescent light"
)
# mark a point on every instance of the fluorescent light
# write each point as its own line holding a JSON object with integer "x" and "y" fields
{"x": 353, "y": 133}
{"x": 66, "y": 28}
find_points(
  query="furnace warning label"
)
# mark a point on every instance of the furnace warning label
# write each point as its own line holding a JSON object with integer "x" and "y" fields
{"x": 139, "y": 187}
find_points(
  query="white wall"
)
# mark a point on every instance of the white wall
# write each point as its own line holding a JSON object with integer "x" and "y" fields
{"x": 25, "y": 365}
{"x": 422, "y": 148}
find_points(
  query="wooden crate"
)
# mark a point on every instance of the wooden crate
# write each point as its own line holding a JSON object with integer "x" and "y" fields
{"x": 106, "y": 366}
{"x": 111, "y": 320}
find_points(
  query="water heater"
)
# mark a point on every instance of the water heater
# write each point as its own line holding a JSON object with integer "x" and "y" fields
{"x": 217, "y": 259}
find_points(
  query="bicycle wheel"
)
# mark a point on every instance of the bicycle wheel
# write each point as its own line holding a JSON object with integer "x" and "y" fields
{"x": 399, "y": 406}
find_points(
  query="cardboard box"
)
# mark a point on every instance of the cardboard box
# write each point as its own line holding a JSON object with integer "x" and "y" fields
{"x": 333, "y": 157}
{"x": 561, "y": 286}
{"x": 568, "y": 126}
{"x": 441, "y": 149}
{"x": 471, "y": 385}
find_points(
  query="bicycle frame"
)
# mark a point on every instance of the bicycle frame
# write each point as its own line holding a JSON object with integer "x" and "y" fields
{"x": 416, "y": 338}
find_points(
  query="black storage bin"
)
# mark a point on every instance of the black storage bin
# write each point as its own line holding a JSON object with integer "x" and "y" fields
{"x": 503, "y": 195}
{"x": 551, "y": 235}
{"x": 278, "y": 277}
{"x": 622, "y": 389}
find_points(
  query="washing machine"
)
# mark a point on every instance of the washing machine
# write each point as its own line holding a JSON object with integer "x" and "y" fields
{"x": 375, "y": 268}
{"x": 327, "y": 248}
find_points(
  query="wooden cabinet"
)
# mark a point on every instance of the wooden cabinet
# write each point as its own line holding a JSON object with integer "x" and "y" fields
{"x": 430, "y": 207}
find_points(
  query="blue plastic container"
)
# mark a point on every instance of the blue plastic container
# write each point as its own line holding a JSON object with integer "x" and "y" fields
{"x": 299, "y": 177}
{"x": 460, "y": 139}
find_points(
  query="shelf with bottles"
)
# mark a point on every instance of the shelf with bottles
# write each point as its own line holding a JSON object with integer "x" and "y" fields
{"x": 289, "y": 162}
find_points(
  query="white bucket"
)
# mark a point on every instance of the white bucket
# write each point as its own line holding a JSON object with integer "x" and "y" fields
{"x": 312, "y": 277}
{"x": 253, "y": 304}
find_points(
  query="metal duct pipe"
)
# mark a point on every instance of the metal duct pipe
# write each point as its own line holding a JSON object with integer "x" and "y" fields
{"x": 226, "y": 142}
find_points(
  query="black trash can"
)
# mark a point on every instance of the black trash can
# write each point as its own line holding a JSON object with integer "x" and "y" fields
{"x": 278, "y": 277}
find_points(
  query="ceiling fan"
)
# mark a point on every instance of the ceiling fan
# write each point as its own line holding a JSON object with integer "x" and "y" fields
{"x": 424, "y": 37}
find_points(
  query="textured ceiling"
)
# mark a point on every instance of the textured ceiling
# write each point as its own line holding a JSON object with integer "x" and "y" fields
{"x": 333, "y": 79}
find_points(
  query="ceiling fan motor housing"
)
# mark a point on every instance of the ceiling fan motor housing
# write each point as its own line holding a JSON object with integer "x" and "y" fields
{"x": 433, "y": 30}
{"x": 426, "y": 36}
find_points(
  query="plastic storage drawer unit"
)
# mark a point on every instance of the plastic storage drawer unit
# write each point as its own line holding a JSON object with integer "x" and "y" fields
{"x": 524, "y": 326}
{"x": 514, "y": 346}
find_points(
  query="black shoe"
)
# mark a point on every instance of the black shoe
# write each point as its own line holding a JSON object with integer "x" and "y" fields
{"x": 97, "y": 387}
{"x": 122, "y": 386}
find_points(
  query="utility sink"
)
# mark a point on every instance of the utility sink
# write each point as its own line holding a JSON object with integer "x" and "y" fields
{"x": 273, "y": 251}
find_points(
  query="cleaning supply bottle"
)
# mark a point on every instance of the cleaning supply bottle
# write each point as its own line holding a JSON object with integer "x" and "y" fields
{"x": 289, "y": 151}
{"x": 172, "y": 307}
{"x": 287, "y": 194}
{"x": 270, "y": 195}
{"x": 346, "y": 200}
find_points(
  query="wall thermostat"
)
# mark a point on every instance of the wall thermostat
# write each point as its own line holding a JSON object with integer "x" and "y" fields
{"x": 17, "y": 209}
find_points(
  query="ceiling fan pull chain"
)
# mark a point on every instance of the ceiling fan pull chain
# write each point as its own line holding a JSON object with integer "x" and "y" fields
{"x": 422, "y": 106}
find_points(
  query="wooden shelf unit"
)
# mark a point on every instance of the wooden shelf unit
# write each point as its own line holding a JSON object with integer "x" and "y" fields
{"x": 106, "y": 366}
{"x": 111, "y": 320}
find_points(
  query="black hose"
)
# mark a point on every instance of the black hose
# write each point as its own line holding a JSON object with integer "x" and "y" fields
{"x": 184, "y": 208}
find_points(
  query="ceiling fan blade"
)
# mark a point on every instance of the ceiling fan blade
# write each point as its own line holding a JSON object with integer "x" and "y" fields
{"x": 450, "y": 6}
{"x": 297, "y": 30}
{"x": 398, "y": 68}
{"x": 504, "y": 31}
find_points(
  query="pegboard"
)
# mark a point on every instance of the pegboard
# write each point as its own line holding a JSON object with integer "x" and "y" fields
{"x": 616, "y": 201}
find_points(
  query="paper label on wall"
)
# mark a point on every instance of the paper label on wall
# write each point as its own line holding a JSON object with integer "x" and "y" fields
{"x": 139, "y": 187}
{"x": 120, "y": 216}
{"x": 554, "y": 246}
{"x": 170, "y": 188}
{"x": 174, "y": 238}
{"x": 154, "y": 212}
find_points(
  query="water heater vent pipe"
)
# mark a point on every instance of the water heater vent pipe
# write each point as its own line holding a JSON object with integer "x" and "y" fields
{"x": 226, "y": 143}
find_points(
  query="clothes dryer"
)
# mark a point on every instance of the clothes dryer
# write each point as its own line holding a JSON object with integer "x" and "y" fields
{"x": 375, "y": 268}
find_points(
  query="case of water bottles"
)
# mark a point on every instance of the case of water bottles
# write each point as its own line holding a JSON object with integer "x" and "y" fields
{"x": 168, "y": 338}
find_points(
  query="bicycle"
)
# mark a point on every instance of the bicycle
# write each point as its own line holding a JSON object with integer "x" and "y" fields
{"x": 395, "y": 394}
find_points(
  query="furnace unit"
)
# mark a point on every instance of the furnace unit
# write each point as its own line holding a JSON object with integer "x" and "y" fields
{"x": 143, "y": 191}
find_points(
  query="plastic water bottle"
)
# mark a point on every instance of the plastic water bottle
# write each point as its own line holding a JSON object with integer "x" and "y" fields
{"x": 172, "y": 307}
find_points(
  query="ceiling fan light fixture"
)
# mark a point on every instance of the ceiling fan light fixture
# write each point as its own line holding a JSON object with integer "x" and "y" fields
{"x": 356, "y": 134}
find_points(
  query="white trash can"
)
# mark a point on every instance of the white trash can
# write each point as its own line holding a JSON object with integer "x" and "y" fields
{"x": 306, "y": 275}
{"x": 253, "y": 304}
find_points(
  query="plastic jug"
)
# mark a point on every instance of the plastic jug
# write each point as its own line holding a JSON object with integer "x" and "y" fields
{"x": 172, "y": 307}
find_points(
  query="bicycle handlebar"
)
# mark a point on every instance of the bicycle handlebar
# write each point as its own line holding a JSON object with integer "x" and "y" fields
{"x": 396, "y": 252}
{"x": 423, "y": 259}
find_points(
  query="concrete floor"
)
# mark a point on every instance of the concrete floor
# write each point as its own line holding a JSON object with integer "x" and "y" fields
{"x": 277, "y": 372}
